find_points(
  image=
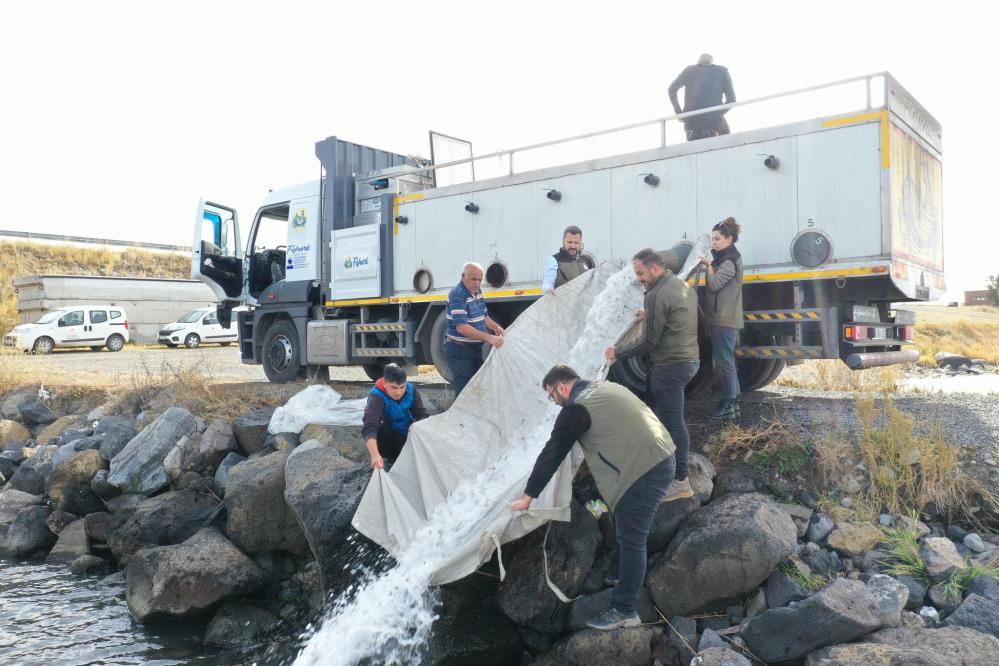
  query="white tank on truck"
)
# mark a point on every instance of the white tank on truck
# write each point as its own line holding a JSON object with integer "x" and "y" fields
{"x": 842, "y": 217}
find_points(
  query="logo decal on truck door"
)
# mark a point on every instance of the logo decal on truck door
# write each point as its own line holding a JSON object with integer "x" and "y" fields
{"x": 299, "y": 220}
{"x": 350, "y": 262}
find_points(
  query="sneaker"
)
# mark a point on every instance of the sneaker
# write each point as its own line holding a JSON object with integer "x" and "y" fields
{"x": 613, "y": 619}
{"x": 678, "y": 490}
{"x": 727, "y": 409}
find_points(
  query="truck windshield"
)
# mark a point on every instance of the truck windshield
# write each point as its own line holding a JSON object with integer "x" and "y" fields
{"x": 49, "y": 317}
{"x": 192, "y": 316}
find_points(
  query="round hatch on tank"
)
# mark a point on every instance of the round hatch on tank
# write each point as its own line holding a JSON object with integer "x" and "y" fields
{"x": 811, "y": 248}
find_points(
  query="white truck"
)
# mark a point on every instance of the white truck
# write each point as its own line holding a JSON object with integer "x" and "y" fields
{"x": 842, "y": 216}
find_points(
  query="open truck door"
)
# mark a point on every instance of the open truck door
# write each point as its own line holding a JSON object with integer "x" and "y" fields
{"x": 217, "y": 257}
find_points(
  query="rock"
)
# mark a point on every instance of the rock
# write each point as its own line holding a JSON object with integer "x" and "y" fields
{"x": 951, "y": 361}
{"x": 682, "y": 634}
{"x": 139, "y": 466}
{"x": 946, "y": 646}
{"x": 912, "y": 525}
{"x": 75, "y": 434}
{"x": 917, "y": 591}
{"x": 701, "y": 473}
{"x": 99, "y": 484}
{"x": 222, "y": 473}
{"x": 34, "y": 473}
{"x": 183, "y": 457}
{"x": 733, "y": 480}
{"x": 89, "y": 565}
{"x": 666, "y": 523}
{"x": 870, "y": 561}
{"x": 524, "y": 596}
{"x": 67, "y": 451}
{"x": 283, "y": 441}
{"x": 99, "y": 525}
{"x": 974, "y": 542}
{"x": 189, "y": 578}
{"x": 77, "y": 471}
{"x": 721, "y": 553}
{"x": 586, "y": 607}
{"x": 977, "y": 613}
{"x": 258, "y": 517}
{"x": 251, "y": 429}
{"x": 28, "y": 534}
{"x": 56, "y": 428}
{"x": 940, "y": 556}
{"x": 720, "y": 656}
{"x": 7, "y": 467}
{"x": 125, "y": 503}
{"x": 955, "y": 533}
{"x": 756, "y": 603}
{"x": 11, "y": 503}
{"x": 471, "y": 631}
{"x": 852, "y": 539}
{"x": 12, "y": 432}
{"x": 844, "y": 611}
{"x": 984, "y": 586}
{"x": 819, "y": 527}
{"x": 194, "y": 481}
{"x": 80, "y": 500}
{"x": 217, "y": 442}
{"x": 591, "y": 647}
{"x": 930, "y": 615}
{"x": 72, "y": 543}
{"x": 945, "y": 601}
{"x": 345, "y": 439}
{"x": 801, "y": 515}
{"x": 10, "y": 409}
{"x": 165, "y": 519}
{"x": 35, "y": 412}
{"x": 58, "y": 520}
{"x": 239, "y": 624}
{"x": 118, "y": 432}
{"x": 823, "y": 562}
{"x": 323, "y": 490}
{"x": 884, "y": 520}
{"x": 891, "y": 597}
{"x": 781, "y": 590}
{"x": 711, "y": 639}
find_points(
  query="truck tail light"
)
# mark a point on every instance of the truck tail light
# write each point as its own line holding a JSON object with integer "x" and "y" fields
{"x": 855, "y": 332}
{"x": 905, "y": 333}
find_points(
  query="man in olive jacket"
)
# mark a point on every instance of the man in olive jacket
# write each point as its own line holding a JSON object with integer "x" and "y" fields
{"x": 630, "y": 455}
{"x": 669, "y": 340}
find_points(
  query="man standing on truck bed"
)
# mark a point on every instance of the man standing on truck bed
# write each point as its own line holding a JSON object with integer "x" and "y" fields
{"x": 704, "y": 85}
{"x": 468, "y": 326}
{"x": 568, "y": 263}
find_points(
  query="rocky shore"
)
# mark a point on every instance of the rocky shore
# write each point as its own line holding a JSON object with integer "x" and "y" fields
{"x": 220, "y": 519}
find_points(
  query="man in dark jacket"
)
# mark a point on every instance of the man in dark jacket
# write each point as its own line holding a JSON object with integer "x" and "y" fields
{"x": 568, "y": 263}
{"x": 669, "y": 340}
{"x": 629, "y": 454}
{"x": 704, "y": 85}
{"x": 393, "y": 406}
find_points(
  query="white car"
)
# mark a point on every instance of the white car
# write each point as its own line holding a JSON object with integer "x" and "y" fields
{"x": 93, "y": 326}
{"x": 196, "y": 328}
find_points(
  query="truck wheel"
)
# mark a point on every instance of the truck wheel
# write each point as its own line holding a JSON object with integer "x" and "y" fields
{"x": 282, "y": 353}
{"x": 374, "y": 371}
{"x": 115, "y": 343}
{"x": 192, "y": 341}
{"x": 755, "y": 373}
{"x": 631, "y": 373}
{"x": 434, "y": 347}
{"x": 43, "y": 345}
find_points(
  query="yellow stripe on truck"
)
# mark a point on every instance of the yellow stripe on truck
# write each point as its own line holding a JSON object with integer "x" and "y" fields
{"x": 401, "y": 199}
{"x": 431, "y": 298}
{"x": 881, "y": 116}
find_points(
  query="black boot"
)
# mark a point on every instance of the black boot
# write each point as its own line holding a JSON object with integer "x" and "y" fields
{"x": 727, "y": 409}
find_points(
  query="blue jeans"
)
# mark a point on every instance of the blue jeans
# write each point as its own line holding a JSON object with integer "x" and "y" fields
{"x": 723, "y": 354}
{"x": 667, "y": 383}
{"x": 464, "y": 359}
{"x": 632, "y": 522}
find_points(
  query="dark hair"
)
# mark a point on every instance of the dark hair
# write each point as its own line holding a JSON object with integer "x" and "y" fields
{"x": 559, "y": 374}
{"x": 728, "y": 228}
{"x": 394, "y": 374}
{"x": 572, "y": 229}
{"x": 649, "y": 257}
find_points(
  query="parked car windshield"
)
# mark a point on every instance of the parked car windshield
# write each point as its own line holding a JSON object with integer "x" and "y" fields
{"x": 191, "y": 317}
{"x": 49, "y": 317}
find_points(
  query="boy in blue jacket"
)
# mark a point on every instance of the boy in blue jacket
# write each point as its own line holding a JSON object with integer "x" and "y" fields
{"x": 393, "y": 406}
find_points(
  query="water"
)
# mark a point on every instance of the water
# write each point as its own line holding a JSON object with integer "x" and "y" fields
{"x": 984, "y": 384}
{"x": 50, "y": 617}
{"x": 387, "y": 618}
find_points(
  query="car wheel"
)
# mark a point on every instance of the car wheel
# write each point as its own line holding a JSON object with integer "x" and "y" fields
{"x": 115, "y": 343}
{"x": 43, "y": 345}
{"x": 224, "y": 344}
{"x": 282, "y": 353}
{"x": 192, "y": 341}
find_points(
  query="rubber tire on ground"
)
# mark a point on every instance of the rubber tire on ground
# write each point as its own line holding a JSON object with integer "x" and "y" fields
{"x": 774, "y": 374}
{"x": 115, "y": 343}
{"x": 632, "y": 373}
{"x": 192, "y": 341}
{"x": 433, "y": 347}
{"x": 375, "y": 370}
{"x": 43, "y": 345}
{"x": 282, "y": 338}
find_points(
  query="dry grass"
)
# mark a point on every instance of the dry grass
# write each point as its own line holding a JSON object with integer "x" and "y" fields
{"x": 25, "y": 258}
{"x": 769, "y": 447}
{"x": 970, "y": 338}
{"x": 834, "y": 375}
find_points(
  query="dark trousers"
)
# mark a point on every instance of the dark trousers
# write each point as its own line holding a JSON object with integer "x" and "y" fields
{"x": 632, "y": 522}
{"x": 667, "y": 384}
{"x": 723, "y": 341}
{"x": 390, "y": 442}
{"x": 464, "y": 359}
{"x": 718, "y": 129}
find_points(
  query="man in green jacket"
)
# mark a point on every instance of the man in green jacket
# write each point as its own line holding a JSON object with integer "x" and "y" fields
{"x": 669, "y": 340}
{"x": 630, "y": 455}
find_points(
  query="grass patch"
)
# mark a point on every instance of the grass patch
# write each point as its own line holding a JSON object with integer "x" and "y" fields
{"x": 903, "y": 557}
{"x": 834, "y": 375}
{"x": 811, "y": 582}
{"x": 956, "y": 585}
{"x": 758, "y": 445}
{"x": 972, "y": 339}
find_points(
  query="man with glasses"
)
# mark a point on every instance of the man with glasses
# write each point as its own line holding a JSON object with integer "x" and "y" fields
{"x": 630, "y": 455}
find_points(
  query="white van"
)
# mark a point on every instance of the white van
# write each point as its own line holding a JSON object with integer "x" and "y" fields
{"x": 196, "y": 328}
{"x": 93, "y": 326}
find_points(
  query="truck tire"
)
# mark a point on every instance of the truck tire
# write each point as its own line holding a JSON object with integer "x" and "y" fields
{"x": 115, "y": 343}
{"x": 755, "y": 373}
{"x": 434, "y": 347}
{"x": 282, "y": 353}
{"x": 43, "y": 345}
{"x": 315, "y": 373}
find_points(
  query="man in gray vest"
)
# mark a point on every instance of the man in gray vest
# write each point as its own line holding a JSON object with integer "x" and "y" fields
{"x": 568, "y": 263}
{"x": 630, "y": 455}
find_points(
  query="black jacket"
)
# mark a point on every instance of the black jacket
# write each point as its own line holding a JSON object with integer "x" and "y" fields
{"x": 703, "y": 86}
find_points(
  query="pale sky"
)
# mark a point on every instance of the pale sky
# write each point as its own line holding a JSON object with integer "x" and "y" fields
{"x": 118, "y": 116}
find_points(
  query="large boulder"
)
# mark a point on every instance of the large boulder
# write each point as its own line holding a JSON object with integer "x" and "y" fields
{"x": 524, "y": 596}
{"x": 189, "y": 578}
{"x": 940, "y": 556}
{"x": 345, "y": 439}
{"x": 585, "y": 608}
{"x": 222, "y": 472}
{"x": 139, "y": 466}
{"x": 984, "y": 586}
{"x": 853, "y": 539}
{"x": 35, "y": 412}
{"x": 12, "y": 432}
{"x": 701, "y": 473}
{"x": 666, "y": 523}
{"x": 77, "y": 471}
{"x": 258, "y": 518}
{"x": 165, "y": 519}
{"x": 28, "y": 534}
{"x": 842, "y": 612}
{"x": 721, "y": 656}
{"x": 323, "y": 490}
{"x": 72, "y": 543}
{"x": 891, "y": 596}
{"x": 721, "y": 553}
{"x": 57, "y": 428}
{"x": 239, "y": 625}
{"x": 183, "y": 457}
{"x": 117, "y": 431}
{"x": 917, "y": 591}
{"x": 99, "y": 484}
{"x": 977, "y": 613}
{"x": 10, "y": 407}
{"x": 947, "y": 646}
{"x": 99, "y": 525}
{"x": 11, "y": 503}
{"x": 251, "y": 429}
{"x": 217, "y": 442}
{"x": 781, "y": 588}
{"x": 471, "y": 631}
{"x": 591, "y": 647}
{"x": 34, "y": 473}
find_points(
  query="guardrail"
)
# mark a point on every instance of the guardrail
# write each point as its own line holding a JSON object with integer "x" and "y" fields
{"x": 31, "y": 235}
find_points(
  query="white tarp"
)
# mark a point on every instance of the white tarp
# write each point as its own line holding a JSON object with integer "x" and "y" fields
{"x": 316, "y": 404}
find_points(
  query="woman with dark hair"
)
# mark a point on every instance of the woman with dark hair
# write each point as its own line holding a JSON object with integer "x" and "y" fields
{"x": 723, "y": 311}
